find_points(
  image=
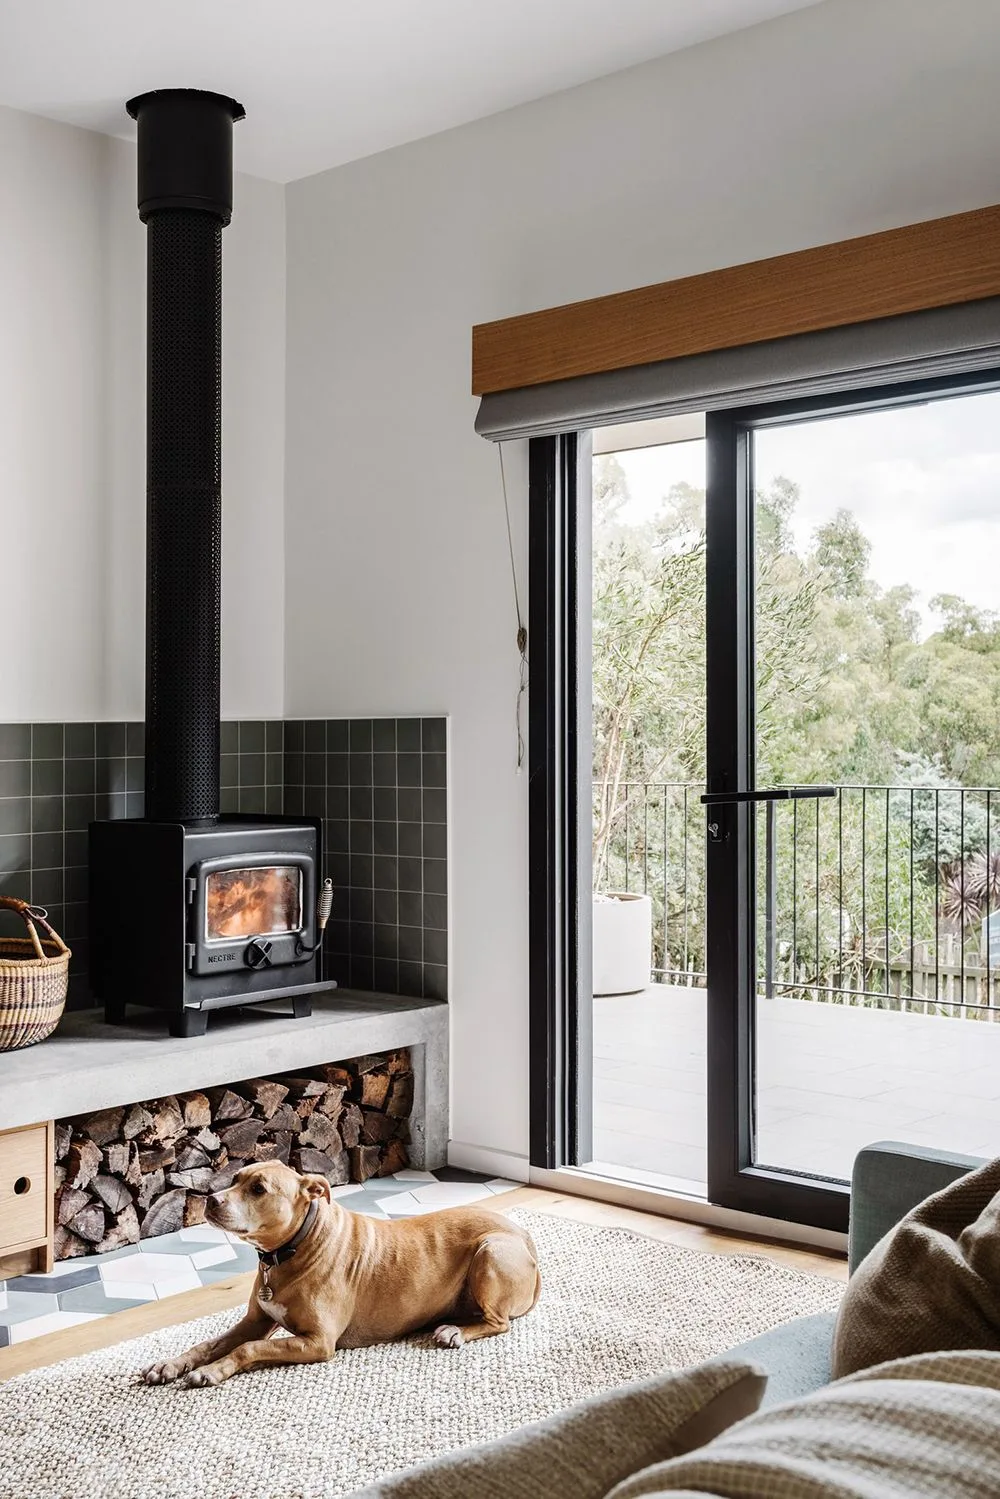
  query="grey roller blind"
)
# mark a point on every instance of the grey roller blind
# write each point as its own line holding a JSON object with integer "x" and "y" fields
{"x": 940, "y": 341}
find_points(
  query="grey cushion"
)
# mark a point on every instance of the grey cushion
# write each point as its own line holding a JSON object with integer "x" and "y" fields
{"x": 795, "y": 1356}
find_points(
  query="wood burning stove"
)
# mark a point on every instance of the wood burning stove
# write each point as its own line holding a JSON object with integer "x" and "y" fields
{"x": 191, "y": 911}
{"x": 191, "y": 918}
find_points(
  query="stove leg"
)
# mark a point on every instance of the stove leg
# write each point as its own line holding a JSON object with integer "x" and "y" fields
{"x": 114, "y": 1012}
{"x": 302, "y": 1006}
{"x": 189, "y": 1023}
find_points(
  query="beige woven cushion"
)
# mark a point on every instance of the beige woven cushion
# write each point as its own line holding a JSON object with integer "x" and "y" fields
{"x": 932, "y": 1283}
{"x": 926, "y": 1426}
{"x": 582, "y": 1452}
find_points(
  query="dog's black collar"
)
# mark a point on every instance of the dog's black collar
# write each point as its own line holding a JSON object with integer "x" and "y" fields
{"x": 272, "y": 1257}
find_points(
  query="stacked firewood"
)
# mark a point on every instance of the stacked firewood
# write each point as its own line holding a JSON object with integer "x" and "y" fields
{"x": 145, "y": 1169}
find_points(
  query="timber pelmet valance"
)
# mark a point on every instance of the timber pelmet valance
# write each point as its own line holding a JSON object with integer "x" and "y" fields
{"x": 899, "y": 298}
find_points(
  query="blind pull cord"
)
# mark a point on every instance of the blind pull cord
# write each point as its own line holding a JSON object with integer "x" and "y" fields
{"x": 522, "y": 633}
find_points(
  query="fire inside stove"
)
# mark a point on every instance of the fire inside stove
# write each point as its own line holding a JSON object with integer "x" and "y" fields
{"x": 253, "y": 902}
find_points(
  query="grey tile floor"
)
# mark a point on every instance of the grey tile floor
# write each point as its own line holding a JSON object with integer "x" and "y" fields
{"x": 98, "y": 1285}
{"x": 831, "y": 1078}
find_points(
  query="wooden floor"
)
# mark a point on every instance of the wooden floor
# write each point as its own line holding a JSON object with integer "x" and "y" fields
{"x": 36, "y": 1353}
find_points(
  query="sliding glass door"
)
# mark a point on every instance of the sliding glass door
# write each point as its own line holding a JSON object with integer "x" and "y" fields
{"x": 780, "y": 752}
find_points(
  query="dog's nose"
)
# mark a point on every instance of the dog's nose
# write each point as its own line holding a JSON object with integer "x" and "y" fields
{"x": 215, "y": 1200}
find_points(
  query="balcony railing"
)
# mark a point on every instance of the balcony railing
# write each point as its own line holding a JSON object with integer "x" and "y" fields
{"x": 883, "y": 896}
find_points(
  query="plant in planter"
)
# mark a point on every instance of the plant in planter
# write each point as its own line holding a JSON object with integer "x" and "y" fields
{"x": 623, "y": 942}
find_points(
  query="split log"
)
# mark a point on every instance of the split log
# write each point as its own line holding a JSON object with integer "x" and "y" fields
{"x": 341, "y": 1172}
{"x": 58, "y": 1174}
{"x": 322, "y": 1133}
{"x": 156, "y": 1159}
{"x": 350, "y": 1125}
{"x": 194, "y": 1210}
{"x": 365, "y": 1162}
{"x": 336, "y": 1075}
{"x": 64, "y": 1137}
{"x": 305, "y": 1158}
{"x": 400, "y": 1104}
{"x": 224, "y": 1178}
{"x": 113, "y": 1193}
{"x": 165, "y": 1215}
{"x": 286, "y": 1118}
{"x": 82, "y": 1163}
{"x": 398, "y": 1061}
{"x": 168, "y": 1122}
{"x": 106, "y": 1126}
{"x": 69, "y": 1201}
{"x": 190, "y": 1156}
{"x": 122, "y": 1159}
{"x": 196, "y": 1109}
{"x": 395, "y": 1158}
{"x": 153, "y": 1183}
{"x": 332, "y": 1101}
{"x": 207, "y": 1140}
{"x": 137, "y": 1122}
{"x": 88, "y": 1223}
{"x": 336, "y": 1168}
{"x": 377, "y": 1128}
{"x": 240, "y": 1139}
{"x": 264, "y": 1095}
{"x": 123, "y": 1230}
{"x": 374, "y": 1090}
{"x": 304, "y": 1087}
{"x": 66, "y": 1245}
{"x": 191, "y": 1181}
{"x": 227, "y": 1105}
{"x": 277, "y": 1148}
{"x": 358, "y": 1066}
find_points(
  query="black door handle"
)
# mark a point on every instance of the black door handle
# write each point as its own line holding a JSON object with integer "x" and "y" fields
{"x": 775, "y": 794}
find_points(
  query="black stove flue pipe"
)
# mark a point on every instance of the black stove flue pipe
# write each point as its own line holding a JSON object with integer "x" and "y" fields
{"x": 185, "y": 200}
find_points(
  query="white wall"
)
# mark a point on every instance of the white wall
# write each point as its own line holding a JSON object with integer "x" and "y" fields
{"x": 852, "y": 117}
{"x": 72, "y": 383}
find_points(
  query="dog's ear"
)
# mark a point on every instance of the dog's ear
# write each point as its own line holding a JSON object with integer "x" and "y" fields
{"x": 316, "y": 1186}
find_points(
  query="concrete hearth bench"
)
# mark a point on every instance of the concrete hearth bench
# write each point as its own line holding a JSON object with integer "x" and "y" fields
{"x": 88, "y": 1066}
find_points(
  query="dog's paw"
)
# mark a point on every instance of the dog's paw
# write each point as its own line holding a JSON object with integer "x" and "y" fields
{"x": 447, "y": 1336}
{"x": 197, "y": 1379}
{"x": 163, "y": 1373}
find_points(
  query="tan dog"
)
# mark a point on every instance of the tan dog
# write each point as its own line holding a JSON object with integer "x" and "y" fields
{"x": 333, "y": 1278}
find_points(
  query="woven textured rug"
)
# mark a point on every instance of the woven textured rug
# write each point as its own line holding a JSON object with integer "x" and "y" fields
{"x": 615, "y": 1307}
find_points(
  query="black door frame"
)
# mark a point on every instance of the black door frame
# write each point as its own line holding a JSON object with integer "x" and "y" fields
{"x": 733, "y": 1179}
{"x": 559, "y": 814}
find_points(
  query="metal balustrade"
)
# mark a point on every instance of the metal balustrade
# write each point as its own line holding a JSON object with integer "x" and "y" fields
{"x": 884, "y": 896}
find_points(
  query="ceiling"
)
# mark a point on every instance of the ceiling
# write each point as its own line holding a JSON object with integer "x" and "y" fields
{"x": 327, "y": 81}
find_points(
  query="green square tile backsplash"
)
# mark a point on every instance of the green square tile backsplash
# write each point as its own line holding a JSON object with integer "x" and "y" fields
{"x": 379, "y": 786}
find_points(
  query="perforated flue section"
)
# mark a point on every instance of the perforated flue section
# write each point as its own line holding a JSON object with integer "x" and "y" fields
{"x": 184, "y": 514}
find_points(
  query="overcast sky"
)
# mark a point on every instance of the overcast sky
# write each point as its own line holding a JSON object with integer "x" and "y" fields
{"x": 922, "y": 481}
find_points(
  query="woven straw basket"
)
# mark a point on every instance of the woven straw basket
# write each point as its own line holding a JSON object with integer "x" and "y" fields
{"x": 34, "y": 976}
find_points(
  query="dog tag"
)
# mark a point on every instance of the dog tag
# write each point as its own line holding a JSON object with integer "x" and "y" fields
{"x": 265, "y": 1293}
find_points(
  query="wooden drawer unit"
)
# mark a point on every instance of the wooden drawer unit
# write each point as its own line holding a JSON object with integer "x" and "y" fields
{"x": 26, "y": 1199}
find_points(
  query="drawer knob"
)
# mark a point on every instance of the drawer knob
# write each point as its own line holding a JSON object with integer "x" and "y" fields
{"x": 22, "y": 1185}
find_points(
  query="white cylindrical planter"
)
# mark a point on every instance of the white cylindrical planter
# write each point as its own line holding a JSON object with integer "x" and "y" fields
{"x": 623, "y": 942}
